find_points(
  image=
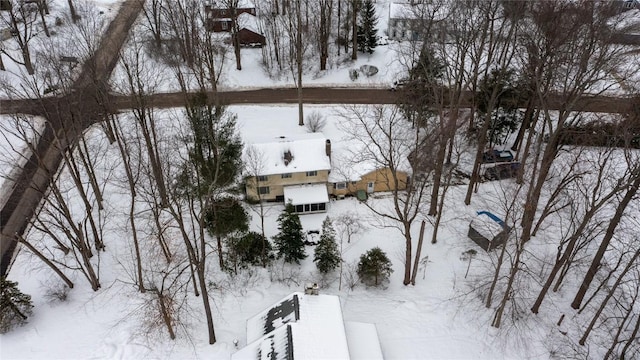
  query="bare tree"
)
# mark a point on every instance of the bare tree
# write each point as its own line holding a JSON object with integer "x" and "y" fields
{"x": 594, "y": 190}
{"x": 323, "y": 29}
{"x": 297, "y": 48}
{"x": 153, "y": 13}
{"x": 254, "y": 166}
{"x": 21, "y": 19}
{"x": 580, "y": 49}
{"x": 140, "y": 82}
{"x": 629, "y": 194}
{"x": 383, "y": 139}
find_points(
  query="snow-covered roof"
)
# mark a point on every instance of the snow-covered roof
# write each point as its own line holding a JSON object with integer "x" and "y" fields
{"x": 351, "y": 163}
{"x": 363, "y": 341}
{"x": 249, "y": 22}
{"x": 402, "y": 11}
{"x": 308, "y": 153}
{"x": 245, "y": 4}
{"x": 306, "y": 194}
{"x": 487, "y": 224}
{"x": 429, "y": 11}
{"x": 346, "y": 169}
{"x": 300, "y": 327}
{"x": 242, "y": 4}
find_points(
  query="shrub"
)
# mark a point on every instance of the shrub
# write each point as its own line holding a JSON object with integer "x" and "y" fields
{"x": 249, "y": 249}
{"x": 374, "y": 267}
{"x": 315, "y": 122}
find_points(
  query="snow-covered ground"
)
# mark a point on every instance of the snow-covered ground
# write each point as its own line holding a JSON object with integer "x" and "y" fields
{"x": 431, "y": 320}
{"x": 14, "y": 150}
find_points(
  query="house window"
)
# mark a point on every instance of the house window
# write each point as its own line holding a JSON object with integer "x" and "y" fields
{"x": 263, "y": 178}
{"x": 312, "y": 173}
{"x": 322, "y": 207}
{"x": 340, "y": 186}
{"x": 225, "y": 26}
{"x": 299, "y": 208}
{"x": 314, "y": 207}
{"x": 286, "y": 176}
{"x": 263, "y": 190}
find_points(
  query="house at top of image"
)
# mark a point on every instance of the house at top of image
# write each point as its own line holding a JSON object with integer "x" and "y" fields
{"x": 402, "y": 21}
{"x": 249, "y": 33}
{"x": 307, "y": 326}
{"x": 407, "y": 18}
{"x": 290, "y": 169}
{"x": 219, "y": 17}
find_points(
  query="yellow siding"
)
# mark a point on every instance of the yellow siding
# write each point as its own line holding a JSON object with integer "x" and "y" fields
{"x": 382, "y": 179}
{"x": 276, "y": 183}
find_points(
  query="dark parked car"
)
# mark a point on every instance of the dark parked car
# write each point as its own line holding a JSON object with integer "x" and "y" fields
{"x": 502, "y": 171}
{"x": 399, "y": 84}
{"x": 497, "y": 156}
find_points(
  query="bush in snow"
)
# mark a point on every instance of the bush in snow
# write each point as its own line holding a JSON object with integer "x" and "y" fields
{"x": 15, "y": 307}
{"x": 374, "y": 267}
{"x": 290, "y": 240}
{"x": 327, "y": 256}
{"x": 248, "y": 249}
{"x": 56, "y": 292}
{"x": 315, "y": 122}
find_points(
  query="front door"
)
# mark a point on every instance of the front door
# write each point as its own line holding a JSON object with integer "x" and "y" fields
{"x": 370, "y": 187}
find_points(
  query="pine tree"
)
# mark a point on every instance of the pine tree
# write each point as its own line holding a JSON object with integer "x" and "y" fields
{"x": 15, "y": 307}
{"x": 327, "y": 256}
{"x": 367, "y": 32}
{"x": 374, "y": 267}
{"x": 216, "y": 153}
{"x": 498, "y": 90}
{"x": 247, "y": 249}
{"x": 290, "y": 240}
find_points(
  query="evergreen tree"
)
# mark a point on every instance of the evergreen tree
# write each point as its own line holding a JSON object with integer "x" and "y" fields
{"x": 247, "y": 249}
{"x": 15, "y": 307}
{"x": 224, "y": 216}
{"x": 290, "y": 240}
{"x": 374, "y": 267}
{"x": 216, "y": 152}
{"x": 214, "y": 166}
{"x": 498, "y": 94}
{"x": 327, "y": 256}
{"x": 367, "y": 32}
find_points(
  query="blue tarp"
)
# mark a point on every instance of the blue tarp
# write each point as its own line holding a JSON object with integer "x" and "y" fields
{"x": 492, "y": 217}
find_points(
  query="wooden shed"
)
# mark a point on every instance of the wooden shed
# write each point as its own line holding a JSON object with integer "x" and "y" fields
{"x": 488, "y": 231}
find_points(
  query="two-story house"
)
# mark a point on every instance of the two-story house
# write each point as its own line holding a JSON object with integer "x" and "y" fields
{"x": 290, "y": 169}
{"x": 407, "y": 19}
{"x": 220, "y": 17}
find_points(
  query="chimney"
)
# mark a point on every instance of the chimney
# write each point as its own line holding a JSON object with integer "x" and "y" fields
{"x": 287, "y": 157}
{"x": 311, "y": 289}
{"x": 327, "y": 148}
